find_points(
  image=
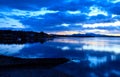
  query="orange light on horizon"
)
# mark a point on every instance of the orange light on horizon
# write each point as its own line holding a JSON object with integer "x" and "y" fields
{"x": 67, "y": 32}
{"x": 102, "y": 32}
{"x": 112, "y": 34}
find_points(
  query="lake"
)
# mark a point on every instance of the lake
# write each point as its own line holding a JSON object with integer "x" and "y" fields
{"x": 89, "y": 56}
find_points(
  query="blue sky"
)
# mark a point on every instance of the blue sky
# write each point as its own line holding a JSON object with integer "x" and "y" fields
{"x": 61, "y": 16}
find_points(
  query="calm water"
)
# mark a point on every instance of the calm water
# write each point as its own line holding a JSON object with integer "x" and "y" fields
{"x": 89, "y": 57}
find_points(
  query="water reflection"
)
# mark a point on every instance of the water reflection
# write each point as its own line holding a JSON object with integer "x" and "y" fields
{"x": 62, "y": 47}
{"x": 22, "y": 41}
{"x": 10, "y": 49}
{"x": 94, "y": 44}
{"x": 114, "y": 49}
{"x": 90, "y": 56}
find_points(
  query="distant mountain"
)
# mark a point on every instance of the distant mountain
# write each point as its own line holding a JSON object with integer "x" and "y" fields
{"x": 88, "y": 35}
{"x": 84, "y": 35}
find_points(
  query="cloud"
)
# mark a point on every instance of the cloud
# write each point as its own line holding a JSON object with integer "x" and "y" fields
{"x": 49, "y": 21}
{"x": 65, "y": 24}
{"x": 115, "y": 24}
{"x": 60, "y": 15}
{"x": 74, "y": 12}
{"x": 17, "y": 12}
{"x": 94, "y": 11}
{"x": 115, "y": 9}
{"x": 115, "y": 1}
{"x": 96, "y": 31}
{"x": 9, "y": 22}
{"x": 28, "y": 5}
{"x": 73, "y": 5}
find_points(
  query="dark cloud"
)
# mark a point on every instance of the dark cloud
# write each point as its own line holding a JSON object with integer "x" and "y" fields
{"x": 61, "y": 5}
{"x": 117, "y": 17}
{"x": 101, "y": 19}
{"x": 115, "y": 9}
{"x": 100, "y": 16}
{"x": 50, "y": 21}
{"x": 28, "y": 5}
{"x": 1, "y": 16}
{"x": 53, "y": 21}
{"x": 82, "y": 5}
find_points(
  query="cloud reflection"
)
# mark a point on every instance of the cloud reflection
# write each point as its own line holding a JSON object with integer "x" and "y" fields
{"x": 73, "y": 48}
{"x": 108, "y": 48}
{"x": 65, "y": 48}
{"x": 10, "y": 49}
{"x": 95, "y": 61}
{"x": 93, "y": 44}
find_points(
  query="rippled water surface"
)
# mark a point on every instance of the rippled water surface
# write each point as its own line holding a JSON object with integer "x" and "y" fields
{"x": 91, "y": 57}
{"x": 63, "y": 47}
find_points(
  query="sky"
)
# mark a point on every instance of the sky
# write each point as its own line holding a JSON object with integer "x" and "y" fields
{"x": 61, "y": 16}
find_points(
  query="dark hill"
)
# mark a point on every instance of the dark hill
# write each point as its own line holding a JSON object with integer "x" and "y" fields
{"x": 20, "y": 37}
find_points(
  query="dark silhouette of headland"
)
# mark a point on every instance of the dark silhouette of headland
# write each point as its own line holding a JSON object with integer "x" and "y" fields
{"x": 21, "y": 37}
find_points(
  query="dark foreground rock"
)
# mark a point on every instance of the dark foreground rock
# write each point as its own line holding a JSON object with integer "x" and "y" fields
{"x": 13, "y": 62}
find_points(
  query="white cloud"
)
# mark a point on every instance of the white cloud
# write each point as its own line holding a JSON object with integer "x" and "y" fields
{"x": 97, "y": 31}
{"x": 13, "y": 23}
{"x": 74, "y": 12}
{"x": 113, "y": 15}
{"x": 115, "y": 1}
{"x": 78, "y": 24}
{"x": 94, "y": 25}
{"x": 17, "y": 12}
{"x": 64, "y": 24}
{"x": 96, "y": 11}
{"x": 43, "y": 11}
{"x": 10, "y": 23}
